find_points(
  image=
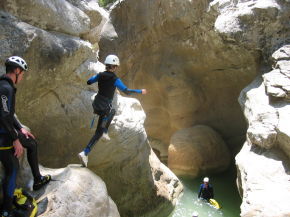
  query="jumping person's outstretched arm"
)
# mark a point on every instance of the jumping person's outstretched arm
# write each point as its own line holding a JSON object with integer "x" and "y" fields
{"x": 121, "y": 86}
{"x": 93, "y": 79}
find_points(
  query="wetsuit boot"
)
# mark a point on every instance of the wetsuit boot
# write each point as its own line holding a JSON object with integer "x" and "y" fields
{"x": 83, "y": 158}
{"x": 43, "y": 180}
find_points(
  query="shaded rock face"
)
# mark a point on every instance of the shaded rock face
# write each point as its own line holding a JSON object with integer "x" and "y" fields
{"x": 263, "y": 163}
{"x": 193, "y": 75}
{"x": 197, "y": 151}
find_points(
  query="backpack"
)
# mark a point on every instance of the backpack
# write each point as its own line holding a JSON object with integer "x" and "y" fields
{"x": 102, "y": 105}
{"x": 24, "y": 204}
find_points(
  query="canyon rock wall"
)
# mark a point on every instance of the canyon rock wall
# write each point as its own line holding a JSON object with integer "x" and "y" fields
{"x": 192, "y": 72}
{"x": 263, "y": 163}
{"x": 58, "y": 39}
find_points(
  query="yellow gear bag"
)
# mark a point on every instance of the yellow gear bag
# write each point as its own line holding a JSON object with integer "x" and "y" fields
{"x": 24, "y": 204}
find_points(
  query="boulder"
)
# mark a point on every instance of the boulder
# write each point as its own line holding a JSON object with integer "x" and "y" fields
{"x": 197, "y": 151}
{"x": 263, "y": 163}
{"x": 77, "y": 187}
{"x": 129, "y": 167}
{"x": 98, "y": 17}
{"x": 71, "y": 187}
{"x": 54, "y": 15}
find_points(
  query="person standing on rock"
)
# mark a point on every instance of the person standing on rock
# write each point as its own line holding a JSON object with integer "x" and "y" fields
{"x": 13, "y": 136}
{"x": 206, "y": 190}
{"x": 107, "y": 83}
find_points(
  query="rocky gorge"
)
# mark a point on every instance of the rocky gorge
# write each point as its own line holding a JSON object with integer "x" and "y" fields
{"x": 217, "y": 75}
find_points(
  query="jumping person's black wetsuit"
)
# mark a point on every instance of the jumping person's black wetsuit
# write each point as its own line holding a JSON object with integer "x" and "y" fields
{"x": 107, "y": 83}
{"x": 10, "y": 131}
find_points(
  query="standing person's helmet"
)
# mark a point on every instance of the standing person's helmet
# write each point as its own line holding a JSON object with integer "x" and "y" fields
{"x": 16, "y": 61}
{"x": 206, "y": 179}
{"x": 112, "y": 60}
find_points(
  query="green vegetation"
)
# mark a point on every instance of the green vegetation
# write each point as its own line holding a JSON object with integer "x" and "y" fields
{"x": 104, "y": 3}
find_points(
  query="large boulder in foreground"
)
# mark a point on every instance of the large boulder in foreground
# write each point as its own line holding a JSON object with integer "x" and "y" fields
{"x": 75, "y": 192}
{"x": 197, "y": 150}
{"x": 263, "y": 163}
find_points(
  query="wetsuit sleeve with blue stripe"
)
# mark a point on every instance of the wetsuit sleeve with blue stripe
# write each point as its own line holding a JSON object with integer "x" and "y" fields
{"x": 121, "y": 86}
{"x": 93, "y": 79}
{"x": 6, "y": 117}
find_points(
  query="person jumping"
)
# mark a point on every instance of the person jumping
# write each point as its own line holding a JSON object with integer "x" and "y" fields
{"x": 107, "y": 83}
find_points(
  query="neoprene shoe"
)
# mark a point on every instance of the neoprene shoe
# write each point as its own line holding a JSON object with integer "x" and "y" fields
{"x": 42, "y": 182}
{"x": 105, "y": 137}
{"x": 83, "y": 158}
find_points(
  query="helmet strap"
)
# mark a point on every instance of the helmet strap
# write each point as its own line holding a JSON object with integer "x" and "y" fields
{"x": 16, "y": 78}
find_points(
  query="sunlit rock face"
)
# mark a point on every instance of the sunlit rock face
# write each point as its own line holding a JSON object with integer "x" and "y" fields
{"x": 55, "y": 15}
{"x": 72, "y": 187}
{"x": 263, "y": 163}
{"x": 127, "y": 159}
{"x": 74, "y": 17}
{"x": 77, "y": 192}
{"x": 198, "y": 150}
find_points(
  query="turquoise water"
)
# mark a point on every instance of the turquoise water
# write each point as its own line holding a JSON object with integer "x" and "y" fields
{"x": 225, "y": 191}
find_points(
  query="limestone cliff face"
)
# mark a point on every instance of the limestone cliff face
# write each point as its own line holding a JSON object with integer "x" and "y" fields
{"x": 263, "y": 163}
{"x": 54, "y": 101}
{"x": 195, "y": 57}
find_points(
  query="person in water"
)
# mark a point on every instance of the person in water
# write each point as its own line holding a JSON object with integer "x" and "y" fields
{"x": 13, "y": 136}
{"x": 206, "y": 190}
{"x": 108, "y": 81}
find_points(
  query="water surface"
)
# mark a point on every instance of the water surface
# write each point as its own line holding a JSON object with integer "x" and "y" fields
{"x": 225, "y": 193}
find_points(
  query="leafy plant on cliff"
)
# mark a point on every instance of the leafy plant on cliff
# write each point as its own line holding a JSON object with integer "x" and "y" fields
{"x": 104, "y": 3}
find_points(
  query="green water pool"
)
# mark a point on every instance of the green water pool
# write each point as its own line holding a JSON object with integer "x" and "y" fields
{"x": 225, "y": 191}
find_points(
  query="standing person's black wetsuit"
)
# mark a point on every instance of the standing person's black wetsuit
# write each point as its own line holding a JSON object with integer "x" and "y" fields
{"x": 10, "y": 131}
{"x": 108, "y": 81}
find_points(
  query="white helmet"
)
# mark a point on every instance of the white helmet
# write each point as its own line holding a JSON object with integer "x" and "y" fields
{"x": 206, "y": 179}
{"x": 112, "y": 60}
{"x": 18, "y": 61}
